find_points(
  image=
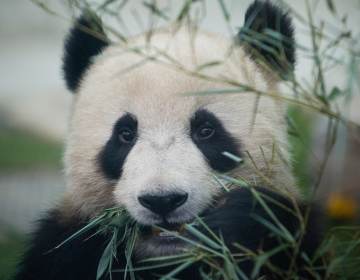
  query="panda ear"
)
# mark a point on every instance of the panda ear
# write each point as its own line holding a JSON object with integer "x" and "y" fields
{"x": 85, "y": 40}
{"x": 268, "y": 36}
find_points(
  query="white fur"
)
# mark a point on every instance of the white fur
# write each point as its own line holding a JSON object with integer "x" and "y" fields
{"x": 164, "y": 157}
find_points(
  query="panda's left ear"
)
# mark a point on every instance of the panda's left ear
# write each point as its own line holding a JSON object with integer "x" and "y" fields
{"x": 85, "y": 40}
{"x": 268, "y": 36}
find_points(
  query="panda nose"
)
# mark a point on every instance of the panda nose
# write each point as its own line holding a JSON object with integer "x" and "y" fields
{"x": 164, "y": 204}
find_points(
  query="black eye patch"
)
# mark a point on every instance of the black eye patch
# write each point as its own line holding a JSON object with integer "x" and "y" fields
{"x": 219, "y": 141}
{"x": 112, "y": 156}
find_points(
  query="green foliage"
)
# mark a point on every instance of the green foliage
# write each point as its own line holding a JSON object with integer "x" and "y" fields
{"x": 21, "y": 149}
{"x": 343, "y": 246}
{"x": 300, "y": 128}
{"x": 11, "y": 247}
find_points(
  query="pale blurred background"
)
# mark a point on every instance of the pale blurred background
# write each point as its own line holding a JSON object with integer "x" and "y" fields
{"x": 34, "y": 107}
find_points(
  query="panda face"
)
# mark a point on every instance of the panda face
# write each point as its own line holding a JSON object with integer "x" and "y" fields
{"x": 162, "y": 154}
{"x": 152, "y": 140}
{"x": 157, "y": 149}
{"x": 141, "y": 138}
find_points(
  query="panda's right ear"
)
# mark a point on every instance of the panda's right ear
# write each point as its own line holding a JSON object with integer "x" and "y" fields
{"x": 85, "y": 40}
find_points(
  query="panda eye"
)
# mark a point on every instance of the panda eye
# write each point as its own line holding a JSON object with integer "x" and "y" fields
{"x": 126, "y": 135}
{"x": 205, "y": 131}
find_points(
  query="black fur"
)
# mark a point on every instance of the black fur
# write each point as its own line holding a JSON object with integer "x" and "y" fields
{"x": 76, "y": 260}
{"x": 113, "y": 155}
{"x": 262, "y": 18}
{"x": 239, "y": 218}
{"x": 235, "y": 217}
{"x": 85, "y": 40}
{"x": 220, "y": 142}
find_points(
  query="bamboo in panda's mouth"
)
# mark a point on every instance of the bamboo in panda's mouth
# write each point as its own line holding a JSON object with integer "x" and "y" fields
{"x": 171, "y": 230}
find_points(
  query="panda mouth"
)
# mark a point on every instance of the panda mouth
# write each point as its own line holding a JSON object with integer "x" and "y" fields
{"x": 161, "y": 240}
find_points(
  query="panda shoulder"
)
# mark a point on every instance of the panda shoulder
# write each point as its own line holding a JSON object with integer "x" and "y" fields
{"x": 44, "y": 259}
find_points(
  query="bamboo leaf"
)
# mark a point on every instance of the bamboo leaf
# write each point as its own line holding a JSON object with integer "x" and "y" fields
{"x": 184, "y": 10}
{"x": 233, "y": 157}
{"x": 155, "y": 10}
{"x": 107, "y": 257}
{"x": 86, "y": 228}
{"x": 331, "y": 6}
{"x": 334, "y": 94}
{"x": 177, "y": 270}
{"x": 208, "y": 64}
{"x": 202, "y": 237}
{"x": 221, "y": 91}
{"x": 264, "y": 257}
{"x": 224, "y": 10}
{"x": 279, "y": 229}
{"x": 270, "y": 226}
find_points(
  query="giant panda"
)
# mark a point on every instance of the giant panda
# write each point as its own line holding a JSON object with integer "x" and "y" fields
{"x": 143, "y": 137}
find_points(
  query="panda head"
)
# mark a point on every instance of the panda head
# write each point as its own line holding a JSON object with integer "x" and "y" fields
{"x": 139, "y": 139}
